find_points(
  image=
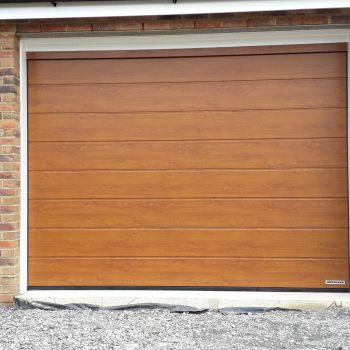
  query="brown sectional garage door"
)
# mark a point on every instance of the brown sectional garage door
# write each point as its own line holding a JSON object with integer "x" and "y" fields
{"x": 203, "y": 168}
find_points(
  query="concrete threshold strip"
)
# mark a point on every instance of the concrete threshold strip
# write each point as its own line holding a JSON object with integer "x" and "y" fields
{"x": 180, "y": 301}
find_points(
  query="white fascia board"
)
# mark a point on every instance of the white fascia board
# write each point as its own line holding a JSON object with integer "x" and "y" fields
{"x": 156, "y": 8}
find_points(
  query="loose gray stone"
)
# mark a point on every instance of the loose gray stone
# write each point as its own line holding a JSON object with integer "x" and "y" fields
{"x": 163, "y": 330}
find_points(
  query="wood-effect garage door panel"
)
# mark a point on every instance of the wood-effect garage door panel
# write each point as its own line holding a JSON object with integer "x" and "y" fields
{"x": 300, "y": 273}
{"x": 180, "y": 69}
{"x": 194, "y": 96}
{"x": 242, "y": 154}
{"x": 203, "y": 213}
{"x": 197, "y": 52}
{"x": 231, "y": 125}
{"x": 235, "y": 243}
{"x": 189, "y": 168}
{"x": 302, "y": 183}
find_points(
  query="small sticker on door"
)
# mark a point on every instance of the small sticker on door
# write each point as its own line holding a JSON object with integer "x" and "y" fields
{"x": 341, "y": 282}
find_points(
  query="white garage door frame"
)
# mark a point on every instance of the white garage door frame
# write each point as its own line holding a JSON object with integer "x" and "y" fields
{"x": 151, "y": 42}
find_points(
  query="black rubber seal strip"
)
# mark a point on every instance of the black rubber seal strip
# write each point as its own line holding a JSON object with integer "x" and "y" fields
{"x": 233, "y": 289}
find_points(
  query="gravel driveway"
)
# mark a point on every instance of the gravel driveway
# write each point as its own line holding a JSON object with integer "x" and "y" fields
{"x": 74, "y": 330}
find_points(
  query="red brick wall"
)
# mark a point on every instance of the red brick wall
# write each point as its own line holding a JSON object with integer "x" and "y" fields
{"x": 9, "y": 96}
{"x": 9, "y": 163}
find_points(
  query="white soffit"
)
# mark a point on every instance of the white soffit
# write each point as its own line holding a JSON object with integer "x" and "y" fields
{"x": 125, "y": 8}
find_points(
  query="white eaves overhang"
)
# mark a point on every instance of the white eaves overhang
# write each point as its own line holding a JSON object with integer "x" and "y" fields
{"x": 78, "y": 9}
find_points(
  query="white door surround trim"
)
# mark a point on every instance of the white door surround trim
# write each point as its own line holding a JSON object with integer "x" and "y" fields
{"x": 180, "y": 41}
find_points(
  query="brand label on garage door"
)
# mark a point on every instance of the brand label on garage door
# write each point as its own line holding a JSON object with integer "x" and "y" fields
{"x": 334, "y": 282}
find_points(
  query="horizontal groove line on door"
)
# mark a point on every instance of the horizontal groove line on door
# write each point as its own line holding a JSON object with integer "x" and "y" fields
{"x": 183, "y": 229}
{"x": 181, "y": 169}
{"x": 191, "y": 81}
{"x": 190, "y": 199}
{"x": 185, "y": 170}
{"x": 197, "y": 110}
{"x": 181, "y": 198}
{"x": 181, "y": 258}
{"x": 186, "y": 81}
{"x": 203, "y": 110}
{"x": 189, "y": 170}
{"x": 197, "y": 140}
{"x": 184, "y": 257}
